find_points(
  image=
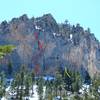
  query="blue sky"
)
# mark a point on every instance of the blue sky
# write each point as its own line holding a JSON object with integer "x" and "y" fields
{"x": 85, "y": 12}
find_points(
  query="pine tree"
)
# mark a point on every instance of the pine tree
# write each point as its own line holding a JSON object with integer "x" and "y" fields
{"x": 76, "y": 84}
{"x": 10, "y": 68}
{"x": 95, "y": 86}
{"x": 2, "y": 84}
{"x": 58, "y": 83}
{"x": 17, "y": 85}
{"x": 19, "y": 82}
{"x": 33, "y": 79}
{"x": 27, "y": 86}
{"x": 40, "y": 88}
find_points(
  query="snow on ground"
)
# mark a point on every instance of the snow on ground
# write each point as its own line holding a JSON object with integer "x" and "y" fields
{"x": 34, "y": 96}
{"x": 85, "y": 88}
{"x": 7, "y": 89}
{"x": 10, "y": 93}
{"x": 3, "y": 98}
{"x": 99, "y": 89}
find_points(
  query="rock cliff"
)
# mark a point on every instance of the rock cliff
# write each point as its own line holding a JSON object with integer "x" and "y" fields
{"x": 44, "y": 42}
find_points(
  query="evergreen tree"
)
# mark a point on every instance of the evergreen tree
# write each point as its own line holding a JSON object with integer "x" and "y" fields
{"x": 33, "y": 79}
{"x": 49, "y": 89}
{"x": 21, "y": 82}
{"x": 27, "y": 85}
{"x": 95, "y": 87}
{"x": 16, "y": 85}
{"x": 40, "y": 88}
{"x": 76, "y": 84}
{"x": 10, "y": 68}
{"x": 21, "y": 85}
{"x": 2, "y": 84}
{"x": 67, "y": 80}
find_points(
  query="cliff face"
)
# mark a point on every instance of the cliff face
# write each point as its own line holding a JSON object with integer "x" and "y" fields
{"x": 42, "y": 41}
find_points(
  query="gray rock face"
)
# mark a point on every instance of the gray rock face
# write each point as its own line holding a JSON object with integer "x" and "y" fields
{"x": 48, "y": 23}
{"x": 41, "y": 41}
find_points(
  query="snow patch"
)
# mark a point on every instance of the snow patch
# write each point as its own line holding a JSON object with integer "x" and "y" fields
{"x": 54, "y": 34}
{"x": 37, "y": 27}
{"x": 71, "y": 36}
{"x": 3, "y": 98}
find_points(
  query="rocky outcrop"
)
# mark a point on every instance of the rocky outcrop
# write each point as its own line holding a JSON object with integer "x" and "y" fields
{"x": 42, "y": 41}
